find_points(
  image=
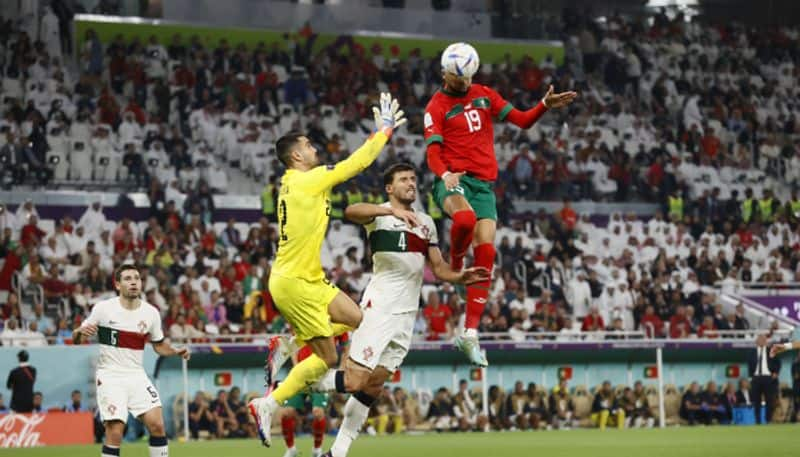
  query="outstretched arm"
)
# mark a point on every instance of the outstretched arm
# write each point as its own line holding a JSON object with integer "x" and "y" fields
{"x": 443, "y": 271}
{"x": 387, "y": 118}
{"x": 525, "y": 119}
{"x": 364, "y": 213}
{"x": 323, "y": 178}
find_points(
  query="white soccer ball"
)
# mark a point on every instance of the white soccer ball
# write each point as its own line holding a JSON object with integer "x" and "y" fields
{"x": 460, "y": 59}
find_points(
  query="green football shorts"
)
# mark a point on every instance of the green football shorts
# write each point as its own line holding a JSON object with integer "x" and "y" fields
{"x": 298, "y": 402}
{"x": 479, "y": 194}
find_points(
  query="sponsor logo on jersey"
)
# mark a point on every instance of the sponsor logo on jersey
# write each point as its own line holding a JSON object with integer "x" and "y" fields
{"x": 428, "y": 120}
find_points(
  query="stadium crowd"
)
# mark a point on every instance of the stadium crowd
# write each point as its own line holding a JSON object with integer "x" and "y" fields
{"x": 702, "y": 120}
{"x": 716, "y": 149}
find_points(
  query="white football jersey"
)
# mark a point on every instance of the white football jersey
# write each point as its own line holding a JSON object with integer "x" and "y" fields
{"x": 398, "y": 258}
{"x": 123, "y": 333}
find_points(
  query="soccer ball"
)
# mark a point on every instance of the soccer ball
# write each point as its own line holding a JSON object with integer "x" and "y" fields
{"x": 460, "y": 59}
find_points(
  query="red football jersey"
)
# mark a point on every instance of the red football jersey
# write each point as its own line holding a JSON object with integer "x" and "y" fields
{"x": 464, "y": 126}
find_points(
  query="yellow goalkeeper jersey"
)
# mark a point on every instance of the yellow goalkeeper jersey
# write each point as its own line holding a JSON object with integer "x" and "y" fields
{"x": 304, "y": 209}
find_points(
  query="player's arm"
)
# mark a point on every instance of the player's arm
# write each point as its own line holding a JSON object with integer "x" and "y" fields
{"x": 387, "y": 118}
{"x": 778, "y": 348}
{"x": 365, "y": 213}
{"x": 525, "y": 119}
{"x": 443, "y": 271}
{"x": 434, "y": 122}
{"x": 88, "y": 327}
{"x": 165, "y": 349}
{"x": 160, "y": 344}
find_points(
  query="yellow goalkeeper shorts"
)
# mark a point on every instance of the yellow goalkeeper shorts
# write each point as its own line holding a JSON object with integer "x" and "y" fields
{"x": 304, "y": 304}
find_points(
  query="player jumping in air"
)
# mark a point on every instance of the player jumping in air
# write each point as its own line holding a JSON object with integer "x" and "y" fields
{"x": 459, "y": 133}
{"x": 123, "y": 325}
{"x": 401, "y": 241}
{"x": 302, "y": 294}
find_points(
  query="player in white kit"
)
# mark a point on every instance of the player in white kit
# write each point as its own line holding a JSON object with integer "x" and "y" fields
{"x": 123, "y": 326}
{"x": 401, "y": 240}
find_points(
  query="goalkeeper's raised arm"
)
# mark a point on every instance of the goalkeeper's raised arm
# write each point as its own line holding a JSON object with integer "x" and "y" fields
{"x": 297, "y": 151}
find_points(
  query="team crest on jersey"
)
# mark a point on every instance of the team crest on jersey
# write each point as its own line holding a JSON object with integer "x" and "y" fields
{"x": 142, "y": 325}
{"x": 368, "y": 353}
{"x": 426, "y": 231}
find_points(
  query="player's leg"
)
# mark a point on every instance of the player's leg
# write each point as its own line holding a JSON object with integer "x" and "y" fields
{"x": 356, "y": 411}
{"x": 145, "y": 404}
{"x": 343, "y": 310}
{"x": 382, "y": 343}
{"x": 305, "y": 305}
{"x": 281, "y": 349}
{"x": 113, "y": 440}
{"x": 455, "y": 203}
{"x": 112, "y": 403}
{"x": 368, "y": 343}
{"x": 319, "y": 425}
{"x": 289, "y": 424}
{"x": 153, "y": 420}
{"x": 482, "y": 200}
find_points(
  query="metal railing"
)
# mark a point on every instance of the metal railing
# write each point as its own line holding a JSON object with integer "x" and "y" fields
{"x": 761, "y": 285}
{"x": 633, "y": 336}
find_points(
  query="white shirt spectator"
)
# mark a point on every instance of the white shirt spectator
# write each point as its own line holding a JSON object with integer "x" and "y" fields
{"x": 526, "y": 304}
{"x": 580, "y": 296}
{"x": 129, "y": 131}
{"x": 93, "y": 220}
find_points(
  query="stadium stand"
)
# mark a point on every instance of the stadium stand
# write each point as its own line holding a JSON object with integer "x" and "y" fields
{"x": 701, "y": 120}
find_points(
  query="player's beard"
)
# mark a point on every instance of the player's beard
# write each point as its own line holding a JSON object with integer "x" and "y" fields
{"x": 131, "y": 295}
{"x": 406, "y": 200}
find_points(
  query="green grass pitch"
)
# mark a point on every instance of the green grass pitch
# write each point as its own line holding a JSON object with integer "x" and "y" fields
{"x": 775, "y": 440}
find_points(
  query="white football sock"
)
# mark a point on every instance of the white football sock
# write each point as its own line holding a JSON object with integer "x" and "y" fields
{"x": 471, "y": 333}
{"x": 158, "y": 447}
{"x": 355, "y": 414}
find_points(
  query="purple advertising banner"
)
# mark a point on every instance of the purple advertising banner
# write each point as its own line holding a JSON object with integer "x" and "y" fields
{"x": 786, "y": 305}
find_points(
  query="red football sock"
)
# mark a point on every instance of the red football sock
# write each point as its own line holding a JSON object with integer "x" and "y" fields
{"x": 318, "y": 427}
{"x": 478, "y": 293}
{"x": 287, "y": 427}
{"x": 461, "y": 236}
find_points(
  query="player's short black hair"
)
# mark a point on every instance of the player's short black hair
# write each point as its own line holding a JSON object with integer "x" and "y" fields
{"x": 388, "y": 174}
{"x": 121, "y": 268}
{"x": 284, "y": 145}
{"x": 23, "y": 356}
